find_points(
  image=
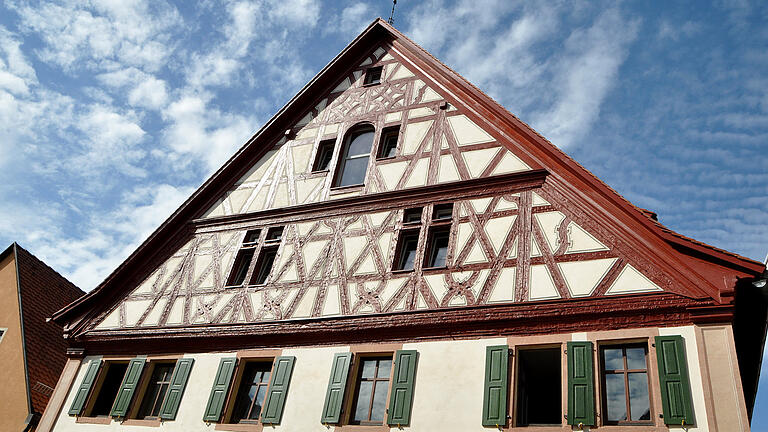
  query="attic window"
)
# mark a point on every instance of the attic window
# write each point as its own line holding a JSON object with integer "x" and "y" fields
{"x": 2, "y": 333}
{"x": 388, "y": 142}
{"x": 412, "y": 215}
{"x": 373, "y": 75}
{"x": 324, "y": 155}
{"x": 442, "y": 212}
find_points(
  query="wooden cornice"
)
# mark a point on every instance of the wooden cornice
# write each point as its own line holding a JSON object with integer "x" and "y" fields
{"x": 468, "y": 189}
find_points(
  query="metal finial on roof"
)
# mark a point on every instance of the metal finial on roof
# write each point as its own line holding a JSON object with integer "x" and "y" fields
{"x": 391, "y": 19}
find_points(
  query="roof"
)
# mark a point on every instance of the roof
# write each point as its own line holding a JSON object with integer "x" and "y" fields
{"x": 42, "y": 291}
{"x": 605, "y": 203}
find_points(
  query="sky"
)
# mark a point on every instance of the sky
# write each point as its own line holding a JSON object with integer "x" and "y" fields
{"x": 113, "y": 112}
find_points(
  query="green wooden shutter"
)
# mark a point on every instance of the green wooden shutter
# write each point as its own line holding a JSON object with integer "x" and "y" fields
{"x": 128, "y": 387}
{"x": 278, "y": 389}
{"x": 673, "y": 378}
{"x": 85, "y": 387}
{"x": 581, "y": 384}
{"x": 220, "y": 389}
{"x": 176, "y": 388}
{"x": 495, "y": 393}
{"x": 401, "y": 393}
{"x": 337, "y": 384}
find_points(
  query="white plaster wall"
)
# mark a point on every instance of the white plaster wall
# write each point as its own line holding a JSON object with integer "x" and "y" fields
{"x": 306, "y": 394}
{"x": 448, "y": 394}
{"x": 694, "y": 373}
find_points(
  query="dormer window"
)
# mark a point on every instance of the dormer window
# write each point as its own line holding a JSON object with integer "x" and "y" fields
{"x": 354, "y": 161}
{"x": 373, "y": 75}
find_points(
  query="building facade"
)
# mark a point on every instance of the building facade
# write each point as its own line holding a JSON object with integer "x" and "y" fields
{"x": 32, "y": 352}
{"x": 395, "y": 251}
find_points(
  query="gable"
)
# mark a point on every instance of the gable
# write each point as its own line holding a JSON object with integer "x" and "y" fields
{"x": 479, "y": 142}
{"x": 437, "y": 143}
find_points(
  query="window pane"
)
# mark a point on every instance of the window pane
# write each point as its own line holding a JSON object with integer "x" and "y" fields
{"x": 614, "y": 393}
{"x": 264, "y": 267}
{"x": 240, "y": 268}
{"x": 361, "y": 144}
{"x": 159, "y": 400}
{"x": 639, "y": 402}
{"x": 636, "y": 358}
{"x": 384, "y": 367}
{"x": 252, "y": 236}
{"x": 409, "y": 255}
{"x": 379, "y": 401}
{"x": 369, "y": 368}
{"x": 353, "y": 171}
{"x": 363, "y": 401}
{"x": 613, "y": 359}
{"x": 438, "y": 250}
{"x": 412, "y": 215}
{"x": 262, "y": 393}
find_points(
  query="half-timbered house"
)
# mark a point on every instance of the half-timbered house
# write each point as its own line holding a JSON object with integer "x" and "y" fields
{"x": 394, "y": 250}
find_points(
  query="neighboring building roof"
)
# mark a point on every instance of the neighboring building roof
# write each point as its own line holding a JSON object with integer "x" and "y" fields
{"x": 42, "y": 292}
{"x": 606, "y": 204}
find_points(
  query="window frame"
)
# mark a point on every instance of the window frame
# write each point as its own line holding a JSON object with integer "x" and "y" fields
{"x": 352, "y": 133}
{"x": 368, "y": 72}
{"x": 386, "y": 133}
{"x": 406, "y": 234}
{"x": 513, "y": 411}
{"x": 324, "y": 147}
{"x": 362, "y": 352}
{"x": 429, "y": 250}
{"x": 257, "y": 250}
{"x": 144, "y": 382}
{"x": 244, "y": 357}
{"x": 93, "y": 395}
{"x": 358, "y": 380}
{"x": 625, "y": 372}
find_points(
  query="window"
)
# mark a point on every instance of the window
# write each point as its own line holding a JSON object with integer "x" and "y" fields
{"x": 104, "y": 394}
{"x": 442, "y": 212}
{"x": 250, "y": 248}
{"x": 252, "y": 392}
{"x": 354, "y": 161}
{"x": 373, "y": 75}
{"x": 538, "y": 387}
{"x": 157, "y": 387}
{"x": 324, "y": 155}
{"x": 371, "y": 391}
{"x": 405, "y": 259}
{"x": 388, "y": 143}
{"x": 437, "y": 247}
{"x": 412, "y": 216}
{"x": 264, "y": 266}
{"x": 244, "y": 258}
{"x": 625, "y": 384}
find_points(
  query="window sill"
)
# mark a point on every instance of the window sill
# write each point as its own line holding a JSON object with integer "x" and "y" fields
{"x": 94, "y": 420}
{"x": 343, "y": 189}
{"x": 325, "y": 171}
{"x": 434, "y": 269}
{"x": 362, "y": 428}
{"x": 372, "y": 84}
{"x": 386, "y": 158}
{"x": 245, "y": 427}
{"x": 401, "y": 271}
{"x": 142, "y": 422}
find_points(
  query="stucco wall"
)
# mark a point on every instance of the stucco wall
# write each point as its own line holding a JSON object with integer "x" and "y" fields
{"x": 448, "y": 389}
{"x": 13, "y": 385}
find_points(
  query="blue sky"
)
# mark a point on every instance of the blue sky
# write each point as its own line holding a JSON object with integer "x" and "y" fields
{"x": 113, "y": 112}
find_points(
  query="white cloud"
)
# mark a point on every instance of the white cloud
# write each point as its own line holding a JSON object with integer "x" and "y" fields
{"x": 76, "y": 35}
{"x": 198, "y": 131}
{"x": 89, "y": 254}
{"x": 584, "y": 75}
{"x": 146, "y": 90}
{"x": 354, "y": 19}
